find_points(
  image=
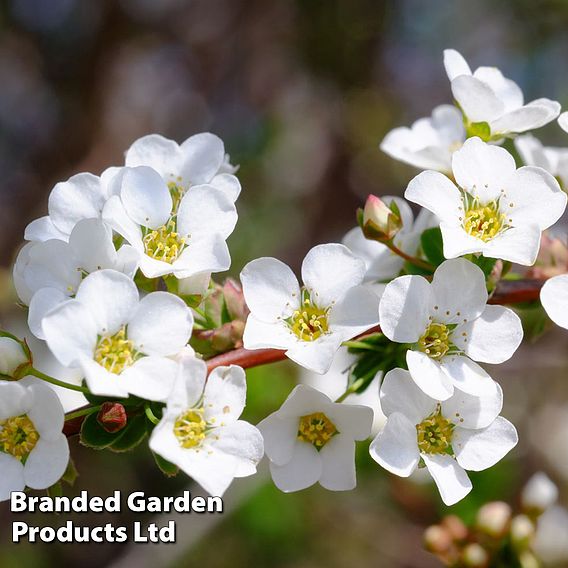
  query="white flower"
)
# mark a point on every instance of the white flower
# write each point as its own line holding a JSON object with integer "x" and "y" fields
{"x": 554, "y": 298}
{"x": 173, "y": 232}
{"x": 201, "y": 159}
{"x": 82, "y": 196}
{"x": 487, "y": 96}
{"x": 12, "y": 356}
{"x": 551, "y": 541}
{"x": 430, "y": 142}
{"x": 461, "y": 433}
{"x": 121, "y": 343}
{"x": 553, "y": 160}
{"x": 33, "y": 450}
{"x": 200, "y": 431}
{"x": 563, "y": 121}
{"x": 49, "y": 272}
{"x": 312, "y": 439}
{"x": 495, "y": 209}
{"x": 311, "y": 322}
{"x": 450, "y": 327}
{"x": 539, "y": 493}
{"x": 381, "y": 263}
{"x": 334, "y": 382}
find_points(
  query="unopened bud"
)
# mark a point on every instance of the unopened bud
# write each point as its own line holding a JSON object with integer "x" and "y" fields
{"x": 475, "y": 556}
{"x": 112, "y": 417}
{"x": 522, "y": 531}
{"x": 14, "y": 356}
{"x": 455, "y": 526}
{"x": 380, "y": 222}
{"x": 437, "y": 539}
{"x": 235, "y": 300}
{"x": 493, "y": 519}
{"x": 539, "y": 494}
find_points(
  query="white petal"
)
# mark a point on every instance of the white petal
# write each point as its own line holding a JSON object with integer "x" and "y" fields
{"x": 477, "y": 99}
{"x": 506, "y": 90}
{"x": 338, "y": 464}
{"x": 152, "y": 268}
{"x": 228, "y": 184}
{"x": 146, "y": 197}
{"x": 459, "y": 288}
{"x": 43, "y": 229}
{"x": 80, "y": 197}
{"x": 12, "y": 476}
{"x": 127, "y": 258}
{"x": 156, "y": 152}
{"x": 189, "y": 385}
{"x": 201, "y": 255}
{"x": 399, "y": 393}
{"x": 477, "y": 450}
{"x": 303, "y": 400}
{"x": 437, "y": 193}
{"x": 47, "y": 462}
{"x": 429, "y": 376}
{"x": 405, "y": 307}
{"x": 303, "y": 469}
{"x": 205, "y": 210}
{"x": 14, "y": 400}
{"x": 100, "y": 381}
{"x": 467, "y": 375}
{"x": 455, "y": 64}
{"x": 493, "y": 337}
{"x": 457, "y": 242}
{"x": 280, "y": 436}
{"x": 225, "y": 394}
{"x": 356, "y": 312}
{"x": 532, "y": 151}
{"x": 533, "y": 115}
{"x": 554, "y": 298}
{"x": 469, "y": 411}
{"x": 353, "y": 421}
{"x": 91, "y": 243}
{"x": 24, "y": 292}
{"x": 563, "y": 121}
{"x": 150, "y": 378}
{"x": 202, "y": 156}
{"x": 533, "y": 196}
{"x": 260, "y": 335}
{"x": 116, "y": 216}
{"x": 518, "y": 244}
{"x": 46, "y": 412}
{"x": 161, "y": 324}
{"x": 270, "y": 288}
{"x": 70, "y": 332}
{"x": 396, "y": 446}
{"x": 111, "y": 298}
{"x": 196, "y": 285}
{"x": 316, "y": 355}
{"x": 452, "y": 481}
{"x": 482, "y": 169}
{"x": 329, "y": 271}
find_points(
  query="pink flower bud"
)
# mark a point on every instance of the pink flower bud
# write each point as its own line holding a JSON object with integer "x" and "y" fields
{"x": 475, "y": 555}
{"x": 493, "y": 519}
{"x": 112, "y": 417}
{"x": 380, "y": 222}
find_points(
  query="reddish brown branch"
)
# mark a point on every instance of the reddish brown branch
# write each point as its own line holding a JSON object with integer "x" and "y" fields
{"x": 508, "y": 292}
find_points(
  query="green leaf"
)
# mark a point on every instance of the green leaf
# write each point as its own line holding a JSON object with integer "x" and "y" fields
{"x": 132, "y": 434}
{"x": 481, "y": 129}
{"x": 71, "y": 474}
{"x": 432, "y": 245}
{"x": 166, "y": 467}
{"x": 486, "y": 264}
{"x": 93, "y": 435}
{"x": 55, "y": 490}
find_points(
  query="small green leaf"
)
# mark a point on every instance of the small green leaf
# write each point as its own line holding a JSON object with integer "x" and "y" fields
{"x": 55, "y": 490}
{"x": 166, "y": 467}
{"x": 486, "y": 264}
{"x": 93, "y": 435}
{"x": 432, "y": 245}
{"x": 71, "y": 474}
{"x": 132, "y": 435}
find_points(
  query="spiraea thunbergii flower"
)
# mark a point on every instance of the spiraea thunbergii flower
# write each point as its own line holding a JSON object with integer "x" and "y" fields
{"x": 553, "y": 160}
{"x": 200, "y": 430}
{"x": 495, "y": 209}
{"x": 493, "y": 106}
{"x": 48, "y": 273}
{"x": 309, "y": 322}
{"x": 380, "y": 221}
{"x": 449, "y": 327}
{"x": 122, "y": 343}
{"x": 554, "y": 298}
{"x": 173, "y": 233}
{"x": 33, "y": 450}
{"x": 312, "y": 439}
{"x": 430, "y": 142}
{"x": 449, "y": 437}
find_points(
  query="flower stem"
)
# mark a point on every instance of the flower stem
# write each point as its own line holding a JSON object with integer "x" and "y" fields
{"x": 81, "y": 412}
{"x": 412, "y": 259}
{"x": 33, "y": 371}
{"x": 151, "y": 416}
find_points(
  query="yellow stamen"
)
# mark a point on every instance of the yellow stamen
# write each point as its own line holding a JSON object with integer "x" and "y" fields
{"x": 436, "y": 340}
{"x": 316, "y": 429}
{"x": 165, "y": 243}
{"x": 435, "y": 434}
{"x": 18, "y": 436}
{"x": 309, "y": 321}
{"x": 484, "y": 221}
{"x": 189, "y": 428}
{"x": 115, "y": 352}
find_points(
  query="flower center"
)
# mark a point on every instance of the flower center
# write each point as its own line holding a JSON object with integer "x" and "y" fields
{"x": 316, "y": 429}
{"x": 18, "y": 436}
{"x": 309, "y": 321}
{"x": 164, "y": 243}
{"x": 435, "y": 434}
{"x": 115, "y": 352}
{"x": 189, "y": 428}
{"x": 483, "y": 222}
{"x": 436, "y": 340}
{"x": 177, "y": 191}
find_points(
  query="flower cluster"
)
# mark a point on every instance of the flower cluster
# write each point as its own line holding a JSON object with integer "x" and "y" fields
{"x": 117, "y": 281}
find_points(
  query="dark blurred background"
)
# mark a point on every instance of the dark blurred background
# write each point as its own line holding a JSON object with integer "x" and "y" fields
{"x": 302, "y": 92}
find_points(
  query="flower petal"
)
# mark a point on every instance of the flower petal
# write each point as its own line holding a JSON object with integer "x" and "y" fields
{"x": 533, "y": 115}
{"x": 554, "y": 298}
{"x": 189, "y": 385}
{"x": 353, "y": 421}
{"x": 91, "y": 243}
{"x": 225, "y": 394}
{"x": 356, "y": 312}
{"x": 396, "y": 446}
{"x": 203, "y": 155}
{"x": 150, "y": 378}
{"x": 43, "y": 301}
{"x": 315, "y": 355}
{"x": 43, "y": 229}
{"x": 507, "y": 90}
{"x": 260, "y": 335}
{"x": 303, "y": 469}
{"x": 477, "y": 450}
{"x": 517, "y": 244}
{"x": 455, "y": 64}
{"x": 303, "y": 400}
{"x": 280, "y": 437}
{"x": 14, "y": 400}
{"x": 338, "y": 464}
{"x": 452, "y": 481}
{"x": 477, "y": 99}
{"x": 46, "y": 412}
{"x": 47, "y": 462}
{"x": 12, "y": 476}
{"x": 467, "y": 375}
{"x": 116, "y": 216}
{"x": 156, "y": 152}
{"x": 228, "y": 184}
{"x": 429, "y": 376}
{"x": 100, "y": 381}
{"x": 563, "y": 121}
{"x": 457, "y": 242}
{"x": 201, "y": 255}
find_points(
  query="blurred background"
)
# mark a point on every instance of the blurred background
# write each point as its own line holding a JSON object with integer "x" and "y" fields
{"x": 302, "y": 92}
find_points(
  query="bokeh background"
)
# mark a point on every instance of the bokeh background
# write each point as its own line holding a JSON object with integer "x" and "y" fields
{"x": 302, "y": 92}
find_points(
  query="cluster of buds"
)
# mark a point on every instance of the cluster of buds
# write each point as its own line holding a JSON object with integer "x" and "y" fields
{"x": 499, "y": 537}
{"x": 222, "y": 318}
{"x": 379, "y": 221}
